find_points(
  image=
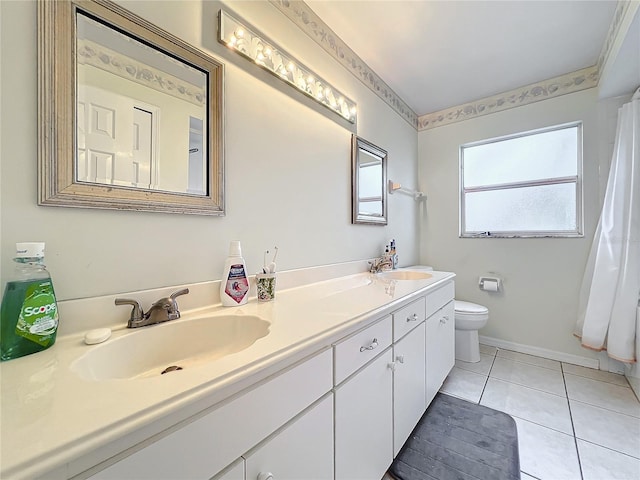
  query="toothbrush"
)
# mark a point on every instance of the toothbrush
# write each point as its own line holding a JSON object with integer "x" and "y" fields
{"x": 265, "y": 268}
{"x": 272, "y": 265}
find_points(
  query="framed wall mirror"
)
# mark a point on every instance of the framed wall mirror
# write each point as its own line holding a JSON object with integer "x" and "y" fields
{"x": 130, "y": 116}
{"x": 369, "y": 178}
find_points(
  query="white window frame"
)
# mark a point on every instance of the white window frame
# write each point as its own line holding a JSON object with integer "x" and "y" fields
{"x": 577, "y": 179}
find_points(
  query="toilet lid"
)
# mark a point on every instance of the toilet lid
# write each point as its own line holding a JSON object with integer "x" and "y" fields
{"x": 468, "y": 307}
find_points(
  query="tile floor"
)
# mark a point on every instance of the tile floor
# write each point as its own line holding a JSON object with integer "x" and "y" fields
{"x": 573, "y": 422}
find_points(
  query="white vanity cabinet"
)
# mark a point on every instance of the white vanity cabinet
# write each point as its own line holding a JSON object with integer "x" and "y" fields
{"x": 440, "y": 335}
{"x": 343, "y": 413}
{"x": 408, "y": 385}
{"x": 378, "y": 406}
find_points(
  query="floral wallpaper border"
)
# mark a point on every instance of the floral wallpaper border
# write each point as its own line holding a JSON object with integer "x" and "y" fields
{"x": 99, "y": 56}
{"x": 622, "y": 10}
{"x": 301, "y": 14}
{"x": 554, "y": 87}
{"x": 306, "y": 19}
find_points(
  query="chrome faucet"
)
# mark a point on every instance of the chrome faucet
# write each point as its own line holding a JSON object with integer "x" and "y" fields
{"x": 380, "y": 264}
{"x": 163, "y": 310}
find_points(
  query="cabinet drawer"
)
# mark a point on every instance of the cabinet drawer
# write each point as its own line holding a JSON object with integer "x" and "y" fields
{"x": 438, "y": 299}
{"x": 407, "y": 318}
{"x": 359, "y": 348}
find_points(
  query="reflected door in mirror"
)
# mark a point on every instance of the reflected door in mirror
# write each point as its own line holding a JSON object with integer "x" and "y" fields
{"x": 135, "y": 101}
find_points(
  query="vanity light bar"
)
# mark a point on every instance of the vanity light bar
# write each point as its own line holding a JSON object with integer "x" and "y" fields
{"x": 239, "y": 37}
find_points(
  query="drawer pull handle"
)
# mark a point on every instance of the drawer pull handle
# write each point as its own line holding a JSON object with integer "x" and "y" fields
{"x": 444, "y": 319}
{"x": 413, "y": 318}
{"x": 392, "y": 366}
{"x": 372, "y": 346}
{"x": 265, "y": 476}
{"x": 400, "y": 358}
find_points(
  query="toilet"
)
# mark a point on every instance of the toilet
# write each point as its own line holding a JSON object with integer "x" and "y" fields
{"x": 469, "y": 318}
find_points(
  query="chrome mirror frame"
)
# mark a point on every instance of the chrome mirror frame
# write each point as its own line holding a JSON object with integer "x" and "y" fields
{"x": 358, "y": 216}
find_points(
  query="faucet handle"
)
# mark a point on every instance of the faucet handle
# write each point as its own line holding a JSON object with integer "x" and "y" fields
{"x": 184, "y": 291}
{"x": 172, "y": 304}
{"x": 136, "y": 311}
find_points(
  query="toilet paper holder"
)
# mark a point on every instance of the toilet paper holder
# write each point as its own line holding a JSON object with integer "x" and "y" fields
{"x": 490, "y": 284}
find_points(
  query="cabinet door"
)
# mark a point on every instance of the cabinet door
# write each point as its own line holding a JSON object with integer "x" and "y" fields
{"x": 302, "y": 451}
{"x": 408, "y": 385}
{"x": 440, "y": 355}
{"x": 364, "y": 423}
{"x": 235, "y": 472}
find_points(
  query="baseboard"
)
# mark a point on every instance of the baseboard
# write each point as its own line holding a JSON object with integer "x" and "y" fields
{"x": 633, "y": 381}
{"x": 541, "y": 352}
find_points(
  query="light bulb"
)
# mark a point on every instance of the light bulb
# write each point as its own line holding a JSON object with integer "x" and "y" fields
{"x": 260, "y": 56}
{"x": 240, "y": 33}
{"x": 291, "y": 67}
{"x": 340, "y": 101}
{"x": 233, "y": 40}
{"x": 353, "y": 110}
{"x": 268, "y": 51}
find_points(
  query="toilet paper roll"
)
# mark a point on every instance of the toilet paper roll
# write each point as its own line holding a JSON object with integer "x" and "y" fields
{"x": 490, "y": 285}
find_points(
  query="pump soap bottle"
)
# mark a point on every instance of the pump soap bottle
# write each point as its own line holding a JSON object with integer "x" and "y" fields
{"x": 234, "y": 287}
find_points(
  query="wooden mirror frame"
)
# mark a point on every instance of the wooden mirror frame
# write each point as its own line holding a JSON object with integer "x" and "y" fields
{"x": 57, "y": 138}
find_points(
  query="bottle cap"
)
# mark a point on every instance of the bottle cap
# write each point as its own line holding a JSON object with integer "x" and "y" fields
{"x": 235, "y": 250}
{"x": 30, "y": 250}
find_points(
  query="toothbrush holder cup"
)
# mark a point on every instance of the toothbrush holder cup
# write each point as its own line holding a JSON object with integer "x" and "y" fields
{"x": 266, "y": 286}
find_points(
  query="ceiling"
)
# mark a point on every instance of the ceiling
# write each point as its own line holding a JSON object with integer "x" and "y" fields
{"x": 439, "y": 54}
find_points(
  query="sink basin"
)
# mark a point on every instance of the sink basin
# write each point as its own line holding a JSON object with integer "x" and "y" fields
{"x": 405, "y": 275}
{"x": 149, "y": 351}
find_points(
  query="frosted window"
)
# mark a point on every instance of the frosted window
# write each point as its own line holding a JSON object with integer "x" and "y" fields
{"x": 524, "y": 185}
{"x": 373, "y": 207}
{"x": 532, "y": 157}
{"x": 549, "y": 208}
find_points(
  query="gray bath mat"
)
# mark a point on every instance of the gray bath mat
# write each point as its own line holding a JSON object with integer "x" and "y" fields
{"x": 459, "y": 440}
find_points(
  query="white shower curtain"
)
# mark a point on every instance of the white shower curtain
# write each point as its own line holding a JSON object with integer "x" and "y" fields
{"x": 611, "y": 284}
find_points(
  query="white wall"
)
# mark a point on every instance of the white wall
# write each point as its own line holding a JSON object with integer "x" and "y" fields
{"x": 287, "y": 170}
{"x": 542, "y": 276}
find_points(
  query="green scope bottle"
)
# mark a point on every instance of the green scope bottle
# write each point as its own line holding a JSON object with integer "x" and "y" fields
{"x": 29, "y": 312}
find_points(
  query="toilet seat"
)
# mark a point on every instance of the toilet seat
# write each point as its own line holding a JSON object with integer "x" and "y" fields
{"x": 470, "y": 311}
{"x": 468, "y": 307}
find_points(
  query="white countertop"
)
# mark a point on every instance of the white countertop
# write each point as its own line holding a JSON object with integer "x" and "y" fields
{"x": 53, "y": 420}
